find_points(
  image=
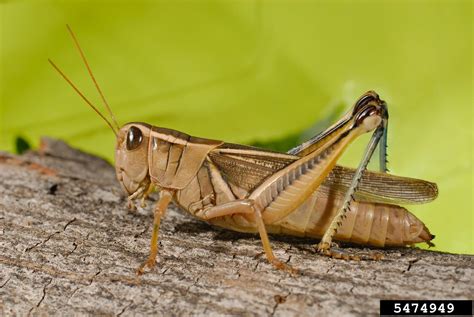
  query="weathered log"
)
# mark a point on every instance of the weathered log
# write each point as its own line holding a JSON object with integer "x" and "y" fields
{"x": 69, "y": 245}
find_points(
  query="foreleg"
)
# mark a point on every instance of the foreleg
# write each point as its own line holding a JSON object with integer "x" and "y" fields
{"x": 160, "y": 209}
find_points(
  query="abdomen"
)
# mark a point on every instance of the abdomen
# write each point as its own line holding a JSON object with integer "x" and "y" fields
{"x": 373, "y": 224}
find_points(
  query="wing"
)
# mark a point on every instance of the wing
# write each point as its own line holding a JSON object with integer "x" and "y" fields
{"x": 381, "y": 187}
{"x": 247, "y": 167}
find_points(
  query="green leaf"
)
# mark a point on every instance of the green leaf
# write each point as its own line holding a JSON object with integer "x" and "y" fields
{"x": 21, "y": 145}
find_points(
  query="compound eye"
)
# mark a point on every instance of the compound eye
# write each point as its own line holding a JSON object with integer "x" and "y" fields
{"x": 369, "y": 111}
{"x": 134, "y": 138}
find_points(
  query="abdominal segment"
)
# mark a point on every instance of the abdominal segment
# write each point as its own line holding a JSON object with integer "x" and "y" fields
{"x": 373, "y": 224}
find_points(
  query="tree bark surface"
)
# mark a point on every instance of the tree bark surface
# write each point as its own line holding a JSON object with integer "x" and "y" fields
{"x": 69, "y": 245}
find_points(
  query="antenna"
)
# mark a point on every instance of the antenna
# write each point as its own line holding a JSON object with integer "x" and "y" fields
{"x": 92, "y": 75}
{"x": 82, "y": 95}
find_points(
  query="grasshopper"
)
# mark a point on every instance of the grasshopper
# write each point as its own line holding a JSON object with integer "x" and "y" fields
{"x": 247, "y": 189}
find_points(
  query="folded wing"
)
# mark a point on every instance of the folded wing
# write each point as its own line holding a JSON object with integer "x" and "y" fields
{"x": 247, "y": 167}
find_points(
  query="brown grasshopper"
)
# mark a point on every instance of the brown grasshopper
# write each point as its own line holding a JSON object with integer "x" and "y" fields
{"x": 248, "y": 189}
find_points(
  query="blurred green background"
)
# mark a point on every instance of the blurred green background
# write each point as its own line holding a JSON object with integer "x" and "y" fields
{"x": 267, "y": 73}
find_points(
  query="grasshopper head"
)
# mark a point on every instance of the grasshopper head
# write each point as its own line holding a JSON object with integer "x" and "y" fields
{"x": 131, "y": 156}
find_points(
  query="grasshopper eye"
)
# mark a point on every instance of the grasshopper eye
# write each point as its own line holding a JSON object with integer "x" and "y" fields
{"x": 134, "y": 138}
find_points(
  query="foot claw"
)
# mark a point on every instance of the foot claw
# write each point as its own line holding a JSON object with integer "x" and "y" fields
{"x": 375, "y": 256}
{"x": 336, "y": 253}
{"x": 150, "y": 263}
{"x": 284, "y": 267}
{"x": 324, "y": 247}
{"x": 131, "y": 206}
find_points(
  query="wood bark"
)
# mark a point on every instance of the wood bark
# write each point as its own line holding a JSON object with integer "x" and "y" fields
{"x": 69, "y": 245}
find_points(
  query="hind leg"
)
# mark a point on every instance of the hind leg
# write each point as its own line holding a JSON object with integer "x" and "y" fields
{"x": 337, "y": 252}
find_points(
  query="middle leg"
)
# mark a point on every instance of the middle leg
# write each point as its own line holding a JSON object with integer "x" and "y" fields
{"x": 247, "y": 206}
